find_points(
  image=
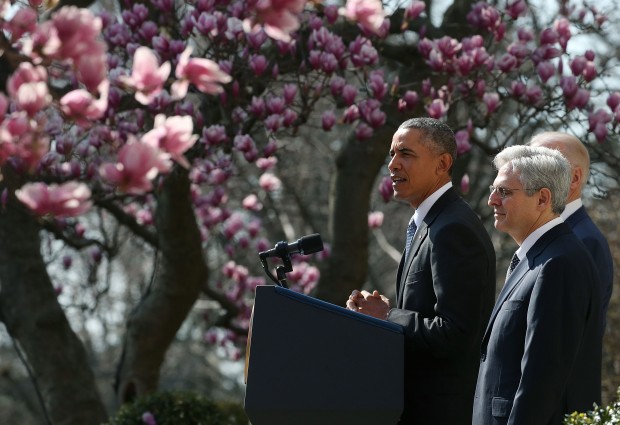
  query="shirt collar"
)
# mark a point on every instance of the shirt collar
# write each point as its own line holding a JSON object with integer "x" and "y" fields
{"x": 571, "y": 207}
{"x": 426, "y": 205}
{"x": 535, "y": 235}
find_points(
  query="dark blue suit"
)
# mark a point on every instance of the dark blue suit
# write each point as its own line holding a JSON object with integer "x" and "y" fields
{"x": 597, "y": 246}
{"x": 541, "y": 352}
{"x": 445, "y": 292}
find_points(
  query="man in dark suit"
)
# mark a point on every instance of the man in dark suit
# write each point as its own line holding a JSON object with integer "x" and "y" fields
{"x": 575, "y": 214}
{"x": 541, "y": 351}
{"x": 446, "y": 279}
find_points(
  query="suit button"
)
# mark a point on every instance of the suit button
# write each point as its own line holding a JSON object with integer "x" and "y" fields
{"x": 483, "y": 357}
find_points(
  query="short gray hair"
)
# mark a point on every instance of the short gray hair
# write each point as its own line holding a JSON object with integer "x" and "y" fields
{"x": 436, "y": 135}
{"x": 539, "y": 167}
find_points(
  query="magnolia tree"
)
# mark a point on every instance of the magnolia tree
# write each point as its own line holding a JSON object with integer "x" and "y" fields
{"x": 149, "y": 117}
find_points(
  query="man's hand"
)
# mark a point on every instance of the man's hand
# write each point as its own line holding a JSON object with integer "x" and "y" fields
{"x": 372, "y": 304}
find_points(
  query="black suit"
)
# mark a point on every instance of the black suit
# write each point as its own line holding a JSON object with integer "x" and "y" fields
{"x": 445, "y": 292}
{"x": 597, "y": 246}
{"x": 541, "y": 352}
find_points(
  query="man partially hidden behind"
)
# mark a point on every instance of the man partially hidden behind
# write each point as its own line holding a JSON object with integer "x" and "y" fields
{"x": 541, "y": 351}
{"x": 575, "y": 214}
{"x": 446, "y": 279}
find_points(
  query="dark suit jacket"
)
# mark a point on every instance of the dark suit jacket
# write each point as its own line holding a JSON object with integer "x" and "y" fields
{"x": 597, "y": 246}
{"x": 445, "y": 293}
{"x": 541, "y": 352}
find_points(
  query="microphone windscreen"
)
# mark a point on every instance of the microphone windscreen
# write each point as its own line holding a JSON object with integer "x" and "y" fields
{"x": 310, "y": 244}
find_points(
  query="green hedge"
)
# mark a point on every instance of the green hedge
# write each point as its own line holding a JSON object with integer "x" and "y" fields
{"x": 607, "y": 415}
{"x": 179, "y": 408}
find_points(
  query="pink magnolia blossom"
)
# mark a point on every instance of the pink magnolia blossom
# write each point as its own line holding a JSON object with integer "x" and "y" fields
{"x": 349, "y": 92}
{"x": 409, "y": 101}
{"x": 4, "y": 106}
{"x": 269, "y": 182}
{"x": 91, "y": 71}
{"x": 516, "y": 8}
{"x": 24, "y": 21}
{"x": 172, "y": 135}
{"x": 139, "y": 163}
{"x": 507, "y": 63}
{"x": 579, "y": 100}
{"x": 385, "y": 189}
{"x": 545, "y": 70}
{"x": 492, "y": 102}
{"x": 598, "y": 121}
{"x": 25, "y": 73}
{"x": 233, "y": 225}
{"x": 415, "y": 9}
{"x": 148, "y": 418}
{"x": 562, "y": 27}
{"x": 205, "y": 74}
{"x": 375, "y": 219}
{"x": 266, "y": 163}
{"x": 350, "y": 114}
{"x": 437, "y": 109}
{"x": 612, "y": 101}
{"x": 533, "y": 94}
{"x": 32, "y": 97}
{"x": 78, "y": 31}
{"x": 82, "y": 107}
{"x": 279, "y": 18}
{"x": 147, "y": 77}
{"x": 368, "y": 13}
{"x": 462, "y": 142}
{"x": 252, "y": 203}
{"x": 258, "y": 64}
{"x": 363, "y": 131}
{"x": 328, "y": 119}
{"x": 465, "y": 183}
{"x": 65, "y": 200}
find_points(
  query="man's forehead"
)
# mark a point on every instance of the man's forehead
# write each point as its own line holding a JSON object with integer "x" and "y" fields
{"x": 507, "y": 173}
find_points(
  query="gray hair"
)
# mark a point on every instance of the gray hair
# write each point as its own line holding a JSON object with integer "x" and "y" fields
{"x": 537, "y": 168}
{"x": 436, "y": 135}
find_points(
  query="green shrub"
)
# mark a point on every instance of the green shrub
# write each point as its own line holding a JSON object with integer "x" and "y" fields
{"x": 608, "y": 415}
{"x": 179, "y": 408}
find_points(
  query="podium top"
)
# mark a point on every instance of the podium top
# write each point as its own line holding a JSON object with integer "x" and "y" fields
{"x": 393, "y": 327}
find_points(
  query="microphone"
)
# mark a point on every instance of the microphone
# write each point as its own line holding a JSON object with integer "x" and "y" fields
{"x": 304, "y": 245}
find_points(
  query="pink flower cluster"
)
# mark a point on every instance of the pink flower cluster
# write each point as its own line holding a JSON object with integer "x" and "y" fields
{"x": 65, "y": 200}
{"x": 375, "y": 219}
{"x": 369, "y": 14}
{"x": 140, "y": 161}
{"x": 205, "y": 74}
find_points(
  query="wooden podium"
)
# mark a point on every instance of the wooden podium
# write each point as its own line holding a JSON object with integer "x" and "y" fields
{"x": 310, "y": 362}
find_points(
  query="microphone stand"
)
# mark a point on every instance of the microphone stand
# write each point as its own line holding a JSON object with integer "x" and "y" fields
{"x": 281, "y": 251}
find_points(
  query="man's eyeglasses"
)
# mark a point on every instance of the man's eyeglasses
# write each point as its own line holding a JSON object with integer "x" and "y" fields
{"x": 504, "y": 192}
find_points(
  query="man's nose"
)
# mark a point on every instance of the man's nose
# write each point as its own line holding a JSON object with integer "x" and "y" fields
{"x": 494, "y": 199}
{"x": 393, "y": 164}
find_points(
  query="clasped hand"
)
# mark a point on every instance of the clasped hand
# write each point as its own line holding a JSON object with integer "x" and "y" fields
{"x": 372, "y": 304}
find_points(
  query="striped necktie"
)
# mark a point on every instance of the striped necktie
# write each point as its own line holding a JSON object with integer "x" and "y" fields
{"x": 411, "y": 228}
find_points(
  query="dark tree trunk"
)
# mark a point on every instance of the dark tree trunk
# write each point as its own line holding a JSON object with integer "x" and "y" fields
{"x": 181, "y": 272}
{"x": 357, "y": 166}
{"x": 33, "y": 317}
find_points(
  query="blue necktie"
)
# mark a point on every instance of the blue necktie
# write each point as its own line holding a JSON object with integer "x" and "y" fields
{"x": 411, "y": 228}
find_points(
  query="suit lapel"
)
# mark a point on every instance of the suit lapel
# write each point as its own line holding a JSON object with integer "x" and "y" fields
{"x": 521, "y": 270}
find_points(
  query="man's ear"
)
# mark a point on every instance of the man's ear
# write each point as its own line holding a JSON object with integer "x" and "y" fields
{"x": 445, "y": 163}
{"x": 544, "y": 198}
{"x": 576, "y": 178}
